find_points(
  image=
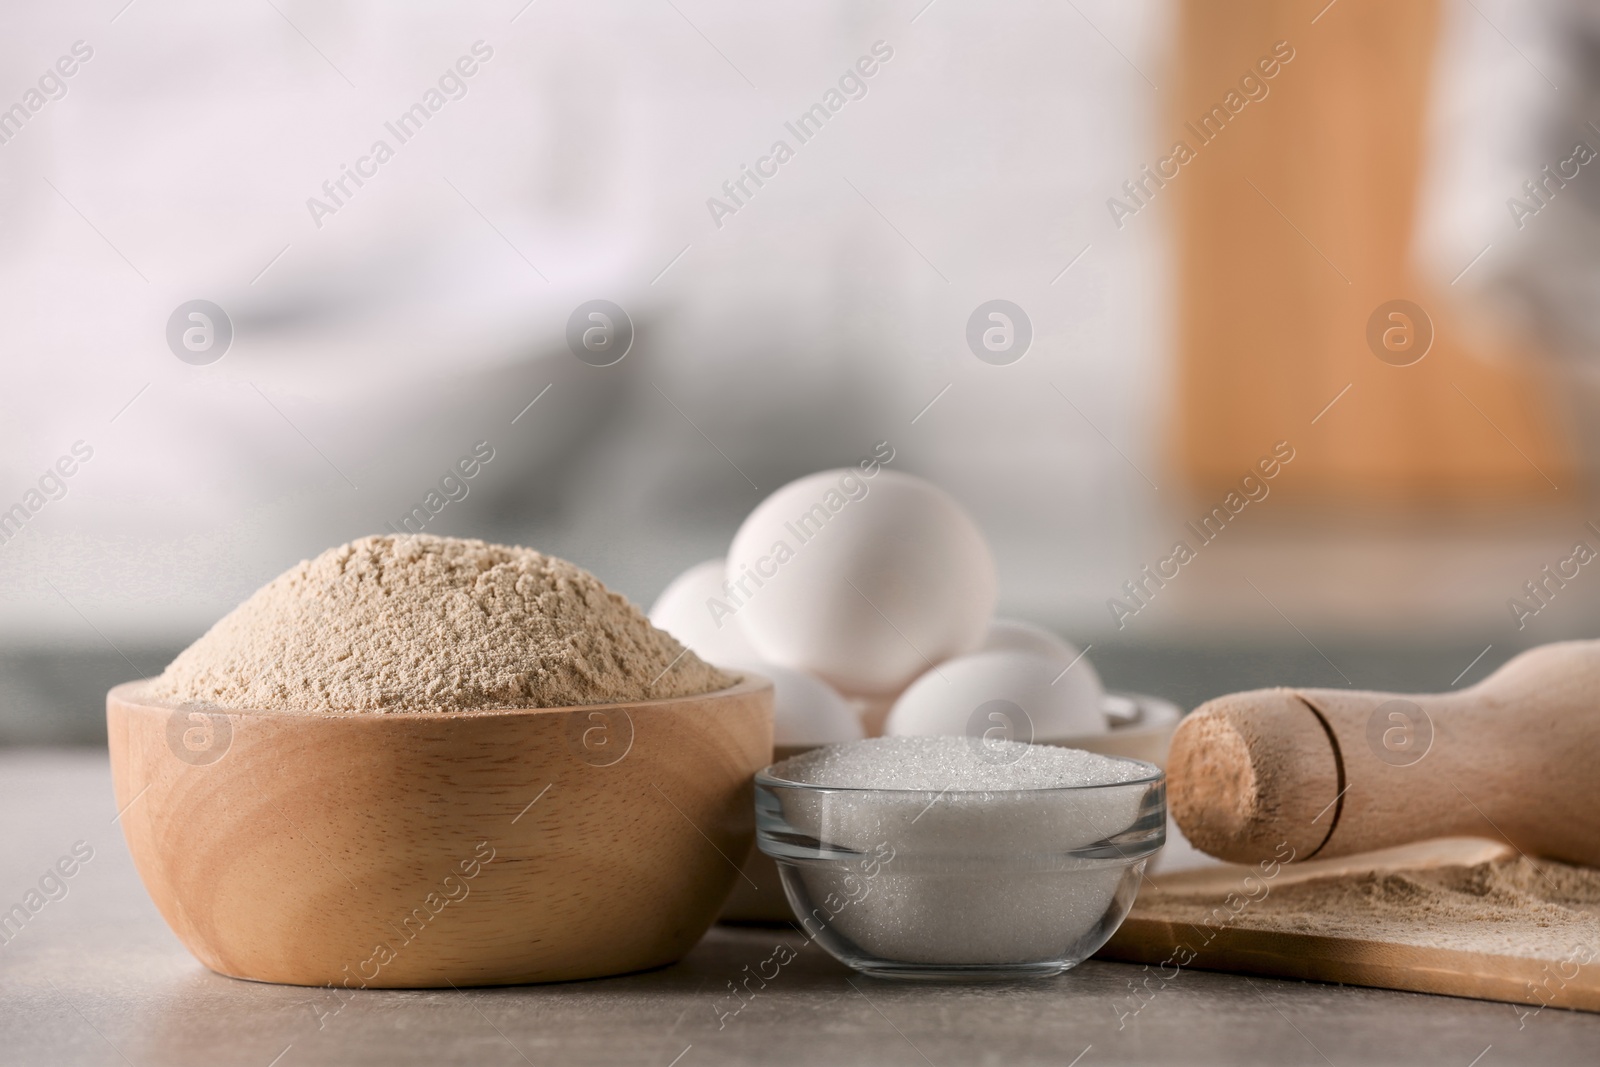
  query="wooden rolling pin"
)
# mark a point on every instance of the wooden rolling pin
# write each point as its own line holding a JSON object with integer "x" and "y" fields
{"x": 1329, "y": 772}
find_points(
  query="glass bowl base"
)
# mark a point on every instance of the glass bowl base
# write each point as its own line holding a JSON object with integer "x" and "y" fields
{"x": 928, "y": 972}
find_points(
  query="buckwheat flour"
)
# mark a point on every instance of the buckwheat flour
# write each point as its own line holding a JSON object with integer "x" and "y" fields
{"x": 1513, "y": 906}
{"x": 417, "y": 622}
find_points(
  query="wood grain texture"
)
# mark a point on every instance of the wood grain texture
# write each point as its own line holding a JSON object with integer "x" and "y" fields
{"x": 1512, "y": 757}
{"x": 1294, "y": 223}
{"x": 1258, "y": 770}
{"x": 439, "y": 848}
{"x": 757, "y": 895}
{"x": 1157, "y": 932}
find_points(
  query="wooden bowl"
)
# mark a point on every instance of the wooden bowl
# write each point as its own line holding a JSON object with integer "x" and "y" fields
{"x": 757, "y": 895}
{"x": 439, "y": 848}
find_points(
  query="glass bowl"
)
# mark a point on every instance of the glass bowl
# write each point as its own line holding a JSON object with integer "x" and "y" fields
{"x": 910, "y": 883}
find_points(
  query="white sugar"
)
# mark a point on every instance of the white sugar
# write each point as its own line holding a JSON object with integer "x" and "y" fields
{"x": 958, "y": 764}
{"x": 985, "y": 840}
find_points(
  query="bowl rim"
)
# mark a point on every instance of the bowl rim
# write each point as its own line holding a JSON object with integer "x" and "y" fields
{"x": 1154, "y": 776}
{"x": 1159, "y": 712}
{"x": 1163, "y": 717}
{"x": 130, "y": 694}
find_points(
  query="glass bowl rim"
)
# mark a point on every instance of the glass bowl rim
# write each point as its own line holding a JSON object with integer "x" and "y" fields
{"x": 1155, "y": 775}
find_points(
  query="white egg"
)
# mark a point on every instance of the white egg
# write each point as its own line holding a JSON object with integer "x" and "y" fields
{"x": 806, "y": 711}
{"x": 1014, "y": 635}
{"x": 863, "y": 581}
{"x": 959, "y": 698}
{"x": 682, "y": 610}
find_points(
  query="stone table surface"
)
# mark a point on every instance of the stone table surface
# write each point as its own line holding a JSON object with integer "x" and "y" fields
{"x": 95, "y": 977}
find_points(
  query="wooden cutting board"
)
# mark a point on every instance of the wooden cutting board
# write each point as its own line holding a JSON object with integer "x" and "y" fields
{"x": 1164, "y": 930}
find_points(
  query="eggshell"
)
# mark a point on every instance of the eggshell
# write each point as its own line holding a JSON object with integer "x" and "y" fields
{"x": 681, "y": 611}
{"x": 862, "y": 581}
{"x": 950, "y": 699}
{"x": 806, "y": 711}
{"x": 1014, "y": 635}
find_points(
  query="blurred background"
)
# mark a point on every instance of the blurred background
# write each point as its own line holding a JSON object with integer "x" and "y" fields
{"x": 1207, "y": 212}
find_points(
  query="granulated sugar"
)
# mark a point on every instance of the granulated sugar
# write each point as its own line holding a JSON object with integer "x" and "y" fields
{"x": 953, "y": 763}
{"x": 418, "y": 622}
{"x": 1539, "y": 909}
{"x": 986, "y": 840}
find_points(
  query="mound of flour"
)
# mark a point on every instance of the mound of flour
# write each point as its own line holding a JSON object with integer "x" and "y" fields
{"x": 1511, "y": 906}
{"x": 416, "y": 623}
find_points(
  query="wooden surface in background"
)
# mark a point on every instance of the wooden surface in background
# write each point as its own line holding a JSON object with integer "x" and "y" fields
{"x": 1294, "y": 224}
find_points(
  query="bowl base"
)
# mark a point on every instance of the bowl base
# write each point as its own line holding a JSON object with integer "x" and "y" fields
{"x": 929, "y": 972}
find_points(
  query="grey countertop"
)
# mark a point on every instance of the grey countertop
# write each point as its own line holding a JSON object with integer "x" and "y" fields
{"x": 95, "y": 977}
